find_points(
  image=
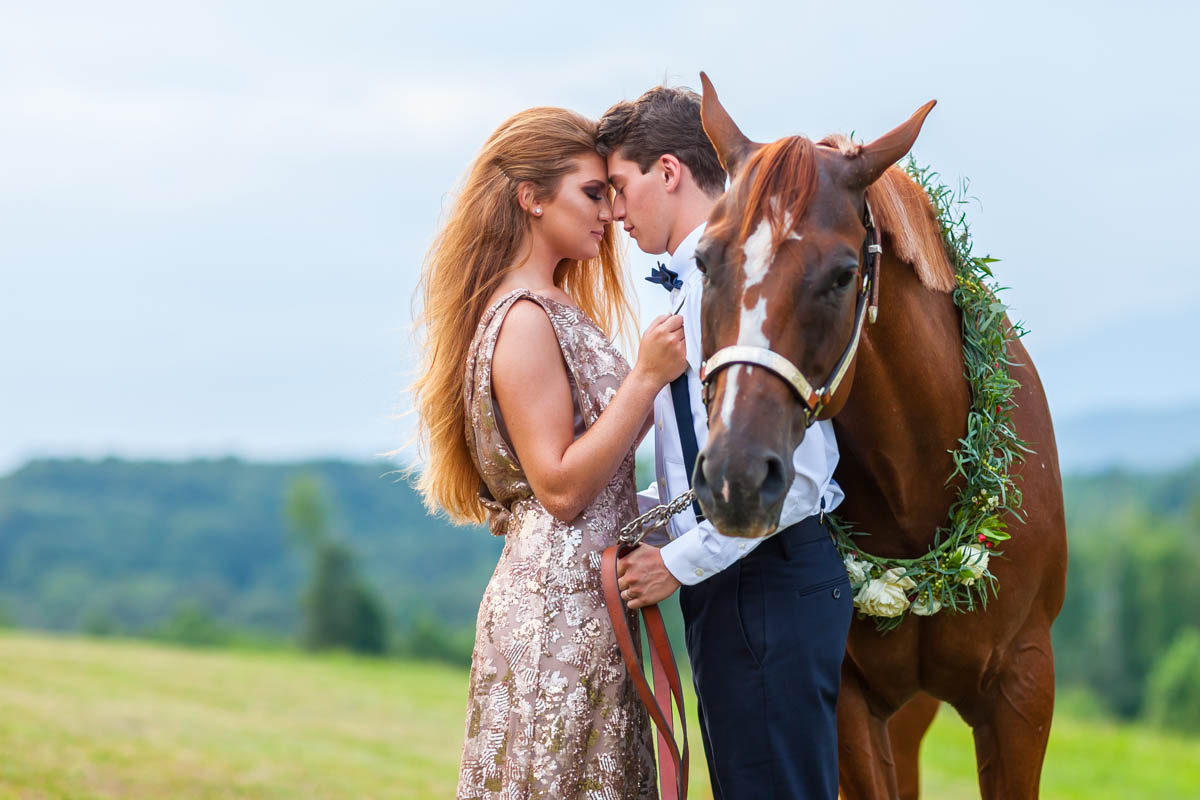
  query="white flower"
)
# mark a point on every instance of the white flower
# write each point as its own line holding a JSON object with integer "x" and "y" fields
{"x": 858, "y": 571}
{"x": 974, "y": 561}
{"x": 885, "y": 596}
{"x": 922, "y": 609}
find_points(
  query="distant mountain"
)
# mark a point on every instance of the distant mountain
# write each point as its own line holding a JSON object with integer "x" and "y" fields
{"x": 1135, "y": 440}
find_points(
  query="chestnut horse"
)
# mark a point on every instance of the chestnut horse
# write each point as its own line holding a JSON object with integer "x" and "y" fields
{"x": 781, "y": 257}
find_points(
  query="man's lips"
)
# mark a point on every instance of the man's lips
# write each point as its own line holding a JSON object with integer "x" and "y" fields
{"x": 629, "y": 229}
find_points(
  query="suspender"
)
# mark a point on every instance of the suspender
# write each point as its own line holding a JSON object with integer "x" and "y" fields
{"x": 681, "y": 399}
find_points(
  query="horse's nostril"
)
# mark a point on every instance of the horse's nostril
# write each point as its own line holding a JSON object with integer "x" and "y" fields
{"x": 774, "y": 484}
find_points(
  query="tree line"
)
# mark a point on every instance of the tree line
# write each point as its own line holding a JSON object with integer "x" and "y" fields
{"x": 330, "y": 553}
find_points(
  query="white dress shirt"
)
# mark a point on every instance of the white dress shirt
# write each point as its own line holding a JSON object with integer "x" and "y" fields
{"x": 697, "y": 551}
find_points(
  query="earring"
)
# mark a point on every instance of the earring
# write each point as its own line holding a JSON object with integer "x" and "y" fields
{"x": 537, "y": 212}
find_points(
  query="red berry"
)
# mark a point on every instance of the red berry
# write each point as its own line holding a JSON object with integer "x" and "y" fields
{"x": 987, "y": 544}
{"x": 982, "y": 537}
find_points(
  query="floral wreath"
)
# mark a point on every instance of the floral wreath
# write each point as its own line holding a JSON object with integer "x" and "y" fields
{"x": 954, "y": 573}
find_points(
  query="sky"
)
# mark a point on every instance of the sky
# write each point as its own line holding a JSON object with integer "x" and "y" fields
{"x": 213, "y": 216}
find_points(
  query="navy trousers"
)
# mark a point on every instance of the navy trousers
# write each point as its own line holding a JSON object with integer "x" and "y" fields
{"x": 766, "y": 638}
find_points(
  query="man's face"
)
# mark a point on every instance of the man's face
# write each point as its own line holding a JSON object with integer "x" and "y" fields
{"x": 642, "y": 203}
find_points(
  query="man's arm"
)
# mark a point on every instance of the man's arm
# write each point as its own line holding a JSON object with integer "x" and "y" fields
{"x": 651, "y": 574}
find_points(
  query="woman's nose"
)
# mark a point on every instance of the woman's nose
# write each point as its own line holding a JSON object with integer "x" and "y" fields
{"x": 606, "y": 211}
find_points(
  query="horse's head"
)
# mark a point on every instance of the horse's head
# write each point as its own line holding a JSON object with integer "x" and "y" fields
{"x": 783, "y": 258}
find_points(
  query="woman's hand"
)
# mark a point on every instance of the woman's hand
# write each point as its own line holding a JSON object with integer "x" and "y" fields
{"x": 662, "y": 354}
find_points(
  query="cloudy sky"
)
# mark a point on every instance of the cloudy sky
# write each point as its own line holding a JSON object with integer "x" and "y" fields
{"x": 212, "y": 216}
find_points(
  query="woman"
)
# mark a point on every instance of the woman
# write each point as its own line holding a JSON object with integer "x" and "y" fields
{"x": 522, "y": 290}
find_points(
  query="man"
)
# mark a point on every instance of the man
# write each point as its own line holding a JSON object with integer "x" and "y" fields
{"x": 766, "y": 619}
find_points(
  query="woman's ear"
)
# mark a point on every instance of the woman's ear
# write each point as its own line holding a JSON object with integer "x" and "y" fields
{"x": 527, "y": 198}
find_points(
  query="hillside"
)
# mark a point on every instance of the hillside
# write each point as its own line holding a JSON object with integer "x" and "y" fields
{"x": 126, "y": 544}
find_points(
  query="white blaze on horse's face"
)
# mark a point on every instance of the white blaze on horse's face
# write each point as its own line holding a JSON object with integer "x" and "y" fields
{"x": 752, "y": 322}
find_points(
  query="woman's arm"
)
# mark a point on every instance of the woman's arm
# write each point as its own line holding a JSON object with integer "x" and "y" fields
{"x": 529, "y": 380}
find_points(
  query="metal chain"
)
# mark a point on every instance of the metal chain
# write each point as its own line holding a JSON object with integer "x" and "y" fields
{"x": 655, "y": 518}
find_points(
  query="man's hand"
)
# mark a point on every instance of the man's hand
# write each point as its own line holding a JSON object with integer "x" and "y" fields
{"x": 643, "y": 578}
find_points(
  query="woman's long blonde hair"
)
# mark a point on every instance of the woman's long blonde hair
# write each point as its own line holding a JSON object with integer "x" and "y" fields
{"x": 480, "y": 242}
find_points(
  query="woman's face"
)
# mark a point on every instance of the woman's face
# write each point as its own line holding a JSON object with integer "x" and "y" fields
{"x": 572, "y": 223}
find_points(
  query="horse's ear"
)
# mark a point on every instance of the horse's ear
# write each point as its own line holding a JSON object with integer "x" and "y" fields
{"x": 731, "y": 144}
{"x": 874, "y": 159}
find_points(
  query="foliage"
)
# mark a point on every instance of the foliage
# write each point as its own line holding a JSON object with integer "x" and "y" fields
{"x": 307, "y": 512}
{"x": 428, "y": 640}
{"x": 123, "y": 544}
{"x": 339, "y": 610}
{"x": 953, "y": 575}
{"x": 189, "y": 625}
{"x": 1173, "y": 691}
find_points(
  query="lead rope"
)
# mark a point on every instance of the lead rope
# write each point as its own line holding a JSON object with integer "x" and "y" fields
{"x": 672, "y": 775}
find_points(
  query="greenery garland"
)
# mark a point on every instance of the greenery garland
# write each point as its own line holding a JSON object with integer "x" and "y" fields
{"x": 954, "y": 573}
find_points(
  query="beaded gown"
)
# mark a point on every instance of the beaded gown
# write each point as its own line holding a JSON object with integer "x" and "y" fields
{"x": 552, "y": 712}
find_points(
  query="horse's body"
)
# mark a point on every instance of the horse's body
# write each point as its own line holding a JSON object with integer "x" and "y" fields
{"x": 900, "y": 412}
{"x": 906, "y": 411}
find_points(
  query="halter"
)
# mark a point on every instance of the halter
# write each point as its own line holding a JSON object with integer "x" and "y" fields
{"x": 814, "y": 400}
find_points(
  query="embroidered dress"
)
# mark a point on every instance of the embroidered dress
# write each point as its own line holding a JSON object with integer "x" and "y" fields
{"x": 552, "y": 712}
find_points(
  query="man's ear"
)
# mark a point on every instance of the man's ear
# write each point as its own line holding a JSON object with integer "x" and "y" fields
{"x": 672, "y": 170}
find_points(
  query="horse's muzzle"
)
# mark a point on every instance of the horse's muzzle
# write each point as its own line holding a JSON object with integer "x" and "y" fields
{"x": 741, "y": 488}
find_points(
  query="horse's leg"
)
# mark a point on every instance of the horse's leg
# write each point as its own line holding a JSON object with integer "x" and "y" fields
{"x": 906, "y": 729}
{"x": 1012, "y": 725}
{"x": 865, "y": 767}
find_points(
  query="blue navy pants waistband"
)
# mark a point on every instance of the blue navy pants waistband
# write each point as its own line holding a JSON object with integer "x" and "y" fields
{"x": 806, "y": 530}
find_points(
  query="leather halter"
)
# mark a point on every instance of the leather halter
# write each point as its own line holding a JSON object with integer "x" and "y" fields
{"x": 813, "y": 400}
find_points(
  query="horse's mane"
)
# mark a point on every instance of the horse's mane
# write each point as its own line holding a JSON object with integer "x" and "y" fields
{"x": 783, "y": 181}
{"x": 904, "y": 213}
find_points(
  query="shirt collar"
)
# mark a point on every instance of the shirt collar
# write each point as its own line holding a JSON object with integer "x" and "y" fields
{"x": 683, "y": 262}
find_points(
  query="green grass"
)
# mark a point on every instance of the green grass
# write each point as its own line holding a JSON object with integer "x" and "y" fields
{"x": 84, "y": 718}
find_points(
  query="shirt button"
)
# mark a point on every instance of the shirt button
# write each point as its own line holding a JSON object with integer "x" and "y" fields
{"x": 837, "y": 593}
{"x": 660, "y": 424}
{"x": 662, "y": 483}
{"x": 741, "y": 545}
{"x": 699, "y": 572}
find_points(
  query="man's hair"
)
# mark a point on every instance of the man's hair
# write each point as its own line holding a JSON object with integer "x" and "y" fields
{"x": 663, "y": 120}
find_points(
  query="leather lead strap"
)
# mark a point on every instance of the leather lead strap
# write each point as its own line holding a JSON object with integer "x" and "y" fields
{"x": 672, "y": 773}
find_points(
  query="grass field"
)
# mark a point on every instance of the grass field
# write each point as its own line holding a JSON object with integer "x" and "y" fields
{"x": 84, "y": 718}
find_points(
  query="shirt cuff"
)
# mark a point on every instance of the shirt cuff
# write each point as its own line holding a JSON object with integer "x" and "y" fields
{"x": 702, "y": 552}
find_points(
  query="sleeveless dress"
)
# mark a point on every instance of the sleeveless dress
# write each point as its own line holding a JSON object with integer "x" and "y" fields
{"x": 552, "y": 712}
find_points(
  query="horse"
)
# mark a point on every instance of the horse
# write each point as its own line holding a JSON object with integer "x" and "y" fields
{"x": 783, "y": 251}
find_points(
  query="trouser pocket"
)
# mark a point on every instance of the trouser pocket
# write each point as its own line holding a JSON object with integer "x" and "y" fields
{"x": 751, "y": 610}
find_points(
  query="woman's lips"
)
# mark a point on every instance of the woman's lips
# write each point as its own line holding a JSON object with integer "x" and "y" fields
{"x": 598, "y": 234}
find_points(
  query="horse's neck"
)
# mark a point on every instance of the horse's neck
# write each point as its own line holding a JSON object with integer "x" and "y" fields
{"x": 907, "y": 409}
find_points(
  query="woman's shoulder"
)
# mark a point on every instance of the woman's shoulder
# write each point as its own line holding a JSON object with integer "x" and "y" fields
{"x": 555, "y": 295}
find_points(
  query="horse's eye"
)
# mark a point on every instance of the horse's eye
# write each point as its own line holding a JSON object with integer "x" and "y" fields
{"x": 845, "y": 277}
{"x": 700, "y": 264}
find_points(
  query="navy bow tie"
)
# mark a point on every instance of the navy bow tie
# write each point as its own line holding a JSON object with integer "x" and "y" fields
{"x": 664, "y": 277}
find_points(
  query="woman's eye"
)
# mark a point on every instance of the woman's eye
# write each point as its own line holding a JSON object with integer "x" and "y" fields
{"x": 593, "y": 195}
